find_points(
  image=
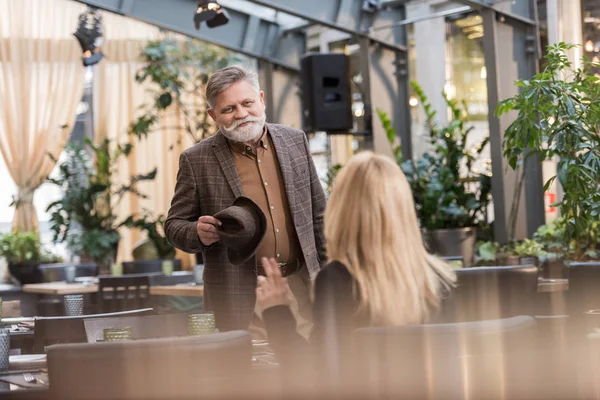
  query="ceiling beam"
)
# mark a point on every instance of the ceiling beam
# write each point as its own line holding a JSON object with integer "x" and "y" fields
{"x": 347, "y": 16}
{"x": 245, "y": 33}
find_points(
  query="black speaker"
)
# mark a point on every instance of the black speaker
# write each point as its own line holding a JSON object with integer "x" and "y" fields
{"x": 326, "y": 99}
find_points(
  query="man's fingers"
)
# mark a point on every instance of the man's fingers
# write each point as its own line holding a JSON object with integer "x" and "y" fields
{"x": 207, "y": 227}
{"x": 207, "y": 219}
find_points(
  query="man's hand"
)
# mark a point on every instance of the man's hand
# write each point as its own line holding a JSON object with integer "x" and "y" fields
{"x": 207, "y": 229}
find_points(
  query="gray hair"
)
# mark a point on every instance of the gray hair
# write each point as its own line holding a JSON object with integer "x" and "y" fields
{"x": 225, "y": 77}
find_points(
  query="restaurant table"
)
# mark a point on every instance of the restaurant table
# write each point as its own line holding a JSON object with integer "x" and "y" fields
{"x": 184, "y": 289}
{"x": 13, "y": 384}
{"x": 60, "y": 288}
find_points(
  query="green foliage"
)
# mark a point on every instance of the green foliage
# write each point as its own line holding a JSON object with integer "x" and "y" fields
{"x": 390, "y": 133}
{"x": 21, "y": 247}
{"x": 558, "y": 114}
{"x": 525, "y": 247}
{"x": 154, "y": 228}
{"x": 179, "y": 72}
{"x": 552, "y": 236}
{"x": 85, "y": 217}
{"x": 487, "y": 251}
{"x": 331, "y": 174}
{"x": 492, "y": 252}
{"x": 448, "y": 193}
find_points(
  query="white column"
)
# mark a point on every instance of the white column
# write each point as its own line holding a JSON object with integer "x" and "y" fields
{"x": 564, "y": 25}
{"x": 430, "y": 63}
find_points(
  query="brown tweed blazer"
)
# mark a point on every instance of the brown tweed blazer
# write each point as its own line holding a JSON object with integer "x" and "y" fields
{"x": 207, "y": 182}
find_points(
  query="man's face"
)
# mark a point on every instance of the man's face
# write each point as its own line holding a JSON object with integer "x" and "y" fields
{"x": 239, "y": 112}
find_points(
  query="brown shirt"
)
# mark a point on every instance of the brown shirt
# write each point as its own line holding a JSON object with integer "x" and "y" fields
{"x": 261, "y": 179}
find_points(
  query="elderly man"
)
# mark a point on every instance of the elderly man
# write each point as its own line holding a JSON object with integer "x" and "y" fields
{"x": 271, "y": 165}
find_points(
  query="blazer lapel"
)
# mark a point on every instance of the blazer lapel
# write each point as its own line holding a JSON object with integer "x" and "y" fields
{"x": 223, "y": 154}
{"x": 283, "y": 155}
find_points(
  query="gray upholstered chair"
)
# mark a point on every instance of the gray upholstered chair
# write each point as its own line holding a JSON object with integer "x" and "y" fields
{"x": 142, "y": 327}
{"x": 439, "y": 360}
{"x": 53, "y": 330}
{"x": 484, "y": 293}
{"x": 205, "y": 366}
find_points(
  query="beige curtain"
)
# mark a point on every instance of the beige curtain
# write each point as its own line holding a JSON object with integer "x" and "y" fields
{"x": 41, "y": 83}
{"x": 117, "y": 97}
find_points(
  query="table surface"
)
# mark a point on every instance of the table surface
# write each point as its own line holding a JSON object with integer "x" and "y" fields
{"x": 177, "y": 290}
{"x": 60, "y": 288}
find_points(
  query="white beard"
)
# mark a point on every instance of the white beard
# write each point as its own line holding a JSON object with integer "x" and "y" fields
{"x": 246, "y": 133}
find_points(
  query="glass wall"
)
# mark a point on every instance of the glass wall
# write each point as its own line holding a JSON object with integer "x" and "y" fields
{"x": 466, "y": 76}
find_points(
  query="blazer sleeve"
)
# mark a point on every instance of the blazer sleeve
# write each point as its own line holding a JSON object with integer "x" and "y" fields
{"x": 318, "y": 206}
{"x": 180, "y": 226}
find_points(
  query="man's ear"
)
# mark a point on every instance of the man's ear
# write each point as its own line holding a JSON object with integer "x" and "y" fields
{"x": 212, "y": 114}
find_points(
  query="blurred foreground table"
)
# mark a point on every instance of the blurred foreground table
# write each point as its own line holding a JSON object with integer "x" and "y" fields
{"x": 60, "y": 288}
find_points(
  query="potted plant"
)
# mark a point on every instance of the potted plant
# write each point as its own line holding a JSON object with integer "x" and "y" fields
{"x": 179, "y": 71}
{"x": 85, "y": 216}
{"x": 24, "y": 254}
{"x": 148, "y": 254}
{"x": 451, "y": 195}
{"x": 557, "y": 115}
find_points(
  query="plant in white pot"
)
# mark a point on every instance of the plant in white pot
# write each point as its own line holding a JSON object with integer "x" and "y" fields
{"x": 451, "y": 195}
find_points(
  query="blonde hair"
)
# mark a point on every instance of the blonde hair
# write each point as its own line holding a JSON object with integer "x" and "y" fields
{"x": 371, "y": 227}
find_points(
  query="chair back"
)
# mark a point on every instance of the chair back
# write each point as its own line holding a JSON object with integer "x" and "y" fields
{"x": 147, "y": 266}
{"x": 56, "y": 272}
{"x": 121, "y": 293}
{"x": 176, "y": 278}
{"x": 484, "y": 293}
{"x": 436, "y": 360}
{"x": 205, "y": 366}
{"x": 142, "y": 327}
{"x": 53, "y": 330}
{"x": 584, "y": 293}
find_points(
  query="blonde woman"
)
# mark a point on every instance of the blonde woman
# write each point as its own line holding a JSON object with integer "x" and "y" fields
{"x": 379, "y": 274}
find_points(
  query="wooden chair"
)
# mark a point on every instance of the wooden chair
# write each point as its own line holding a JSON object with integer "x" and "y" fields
{"x": 193, "y": 367}
{"x": 121, "y": 293}
{"x": 53, "y": 330}
{"x": 142, "y": 327}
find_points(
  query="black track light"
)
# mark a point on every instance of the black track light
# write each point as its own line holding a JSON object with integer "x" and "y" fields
{"x": 211, "y": 12}
{"x": 89, "y": 35}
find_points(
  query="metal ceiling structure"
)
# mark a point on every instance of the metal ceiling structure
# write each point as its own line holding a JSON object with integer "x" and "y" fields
{"x": 274, "y": 32}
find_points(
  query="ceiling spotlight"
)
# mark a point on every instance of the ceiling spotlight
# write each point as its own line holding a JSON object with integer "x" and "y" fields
{"x": 211, "y": 12}
{"x": 89, "y": 35}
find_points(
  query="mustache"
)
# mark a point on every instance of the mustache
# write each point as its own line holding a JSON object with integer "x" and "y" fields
{"x": 237, "y": 123}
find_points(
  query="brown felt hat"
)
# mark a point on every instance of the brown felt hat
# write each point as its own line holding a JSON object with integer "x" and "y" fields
{"x": 243, "y": 228}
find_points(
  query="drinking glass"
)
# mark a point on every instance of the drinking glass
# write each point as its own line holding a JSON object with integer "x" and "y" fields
{"x": 201, "y": 324}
